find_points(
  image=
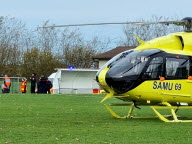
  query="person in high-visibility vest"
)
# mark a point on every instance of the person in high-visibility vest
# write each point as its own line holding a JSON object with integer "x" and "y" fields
{"x": 51, "y": 91}
{"x": 23, "y": 86}
{"x": 6, "y": 85}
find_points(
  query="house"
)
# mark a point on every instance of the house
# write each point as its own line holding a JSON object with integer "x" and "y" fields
{"x": 104, "y": 57}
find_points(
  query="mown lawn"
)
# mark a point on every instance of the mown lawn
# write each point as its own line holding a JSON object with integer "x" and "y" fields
{"x": 80, "y": 119}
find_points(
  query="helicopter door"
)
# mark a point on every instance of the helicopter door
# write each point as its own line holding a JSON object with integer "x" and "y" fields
{"x": 176, "y": 86}
{"x": 154, "y": 69}
{"x": 151, "y": 75}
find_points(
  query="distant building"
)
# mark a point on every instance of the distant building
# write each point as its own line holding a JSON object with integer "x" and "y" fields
{"x": 104, "y": 57}
{"x": 74, "y": 81}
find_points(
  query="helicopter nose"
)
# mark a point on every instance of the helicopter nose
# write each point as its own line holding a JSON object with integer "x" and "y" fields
{"x": 112, "y": 80}
{"x": 100, "y": 78}
{"x": 120, "y": 83}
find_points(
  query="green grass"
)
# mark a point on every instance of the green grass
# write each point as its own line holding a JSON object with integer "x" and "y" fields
{"x": 79, "y": 119}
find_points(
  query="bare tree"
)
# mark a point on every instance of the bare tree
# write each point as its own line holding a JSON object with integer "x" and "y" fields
{"x": 47, "y": 38}
{"x": 11, "y": 44}
{"x": 77, "y": 51}
{"x": 147, "y": 32}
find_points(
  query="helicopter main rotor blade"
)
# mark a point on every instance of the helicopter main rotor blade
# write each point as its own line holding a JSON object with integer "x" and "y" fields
{"x": 178, "y": 23}
{"x": 185, "y": 22}
{"x": 115, "y": 23}
{"x": 91, "y": 24}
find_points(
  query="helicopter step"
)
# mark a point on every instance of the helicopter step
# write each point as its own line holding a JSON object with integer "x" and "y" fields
{"x": 165, "y": 118}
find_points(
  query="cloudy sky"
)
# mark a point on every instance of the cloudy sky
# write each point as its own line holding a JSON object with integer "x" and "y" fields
{"x": 33, "y": 13}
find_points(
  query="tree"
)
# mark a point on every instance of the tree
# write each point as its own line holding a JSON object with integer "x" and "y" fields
{"x": 40, "y": 62}
{"x": 11, "y": 45}
{"x": 147, "y": 32}
{"x": 76, "y": 51}
{"x": 30, "y": 62}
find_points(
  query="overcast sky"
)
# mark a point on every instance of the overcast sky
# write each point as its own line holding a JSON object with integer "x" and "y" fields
{"x": 33, "y": 13}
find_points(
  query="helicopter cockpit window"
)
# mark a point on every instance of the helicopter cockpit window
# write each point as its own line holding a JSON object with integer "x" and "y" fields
{"x": 136, "y": 65}
{"x": 112, "y": 61}
{"x": 123, "y": 72}
{"x": 130, "y": 64}
{"x": 155, "y": 69}
{"x": 177, "y": 68}
{"x": 118, "y": 57}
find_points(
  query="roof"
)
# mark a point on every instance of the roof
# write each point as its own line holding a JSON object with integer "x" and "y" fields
{"x": 109, "y": 54}
{"x": 66, "y": 69}
{"x": 52, "y": 75}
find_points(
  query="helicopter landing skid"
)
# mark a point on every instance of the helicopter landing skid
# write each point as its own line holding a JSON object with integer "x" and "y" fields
{"x": 158, "y": 114}
{"x": 129, "y": 115}
{"x": 173, "y": 113}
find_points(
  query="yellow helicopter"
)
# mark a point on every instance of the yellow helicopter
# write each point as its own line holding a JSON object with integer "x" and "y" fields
{"x": 157, "y": 73}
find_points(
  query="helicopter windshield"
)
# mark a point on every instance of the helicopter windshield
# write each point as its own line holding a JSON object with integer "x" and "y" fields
{"x": 129, "y": 64}
{"x": 114, "y": 59}
{"x": 126, "y": 69}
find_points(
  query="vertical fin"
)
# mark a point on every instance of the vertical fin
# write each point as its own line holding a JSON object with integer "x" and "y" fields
{"x": 139, "y": 40}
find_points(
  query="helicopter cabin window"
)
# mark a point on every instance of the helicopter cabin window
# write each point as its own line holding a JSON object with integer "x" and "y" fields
{"x": 154, "y": 69}
{"x": 177, "y": 68}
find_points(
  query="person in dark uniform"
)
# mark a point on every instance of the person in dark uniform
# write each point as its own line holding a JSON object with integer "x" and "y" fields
{"x": 42, "y": 84}
{"x": 48, "y": 86}
{"x": 33, "y": 82}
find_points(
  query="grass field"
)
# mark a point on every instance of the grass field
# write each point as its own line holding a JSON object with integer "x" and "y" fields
{"x": 79, "y": 119}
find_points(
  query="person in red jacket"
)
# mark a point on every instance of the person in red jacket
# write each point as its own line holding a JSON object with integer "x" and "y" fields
{"x": 23, "y": 86}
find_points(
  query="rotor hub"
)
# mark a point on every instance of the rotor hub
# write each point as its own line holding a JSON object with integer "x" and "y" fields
{"x": 187, "y": 24}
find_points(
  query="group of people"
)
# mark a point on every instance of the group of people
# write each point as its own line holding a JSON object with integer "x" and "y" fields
{"x": 43, "y": 85}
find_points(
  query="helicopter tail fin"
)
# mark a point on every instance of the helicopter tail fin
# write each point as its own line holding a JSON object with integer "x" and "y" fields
{"x": 139, "y": 40}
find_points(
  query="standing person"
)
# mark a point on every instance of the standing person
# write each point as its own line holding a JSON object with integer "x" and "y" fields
{"x": 33, "y": 82}
{"x": 6, "y": 85}
{"x": 42, "y": 84}
{"x": 23, "y": 86}
{"x": 48, "y": 87}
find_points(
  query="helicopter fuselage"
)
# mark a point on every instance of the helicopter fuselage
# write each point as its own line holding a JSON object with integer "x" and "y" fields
{"x": 157, "y": 71}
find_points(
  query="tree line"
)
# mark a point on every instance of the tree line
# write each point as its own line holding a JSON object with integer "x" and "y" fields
{"x": 148, "y": 31}
{"x": 23, "y": 51}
